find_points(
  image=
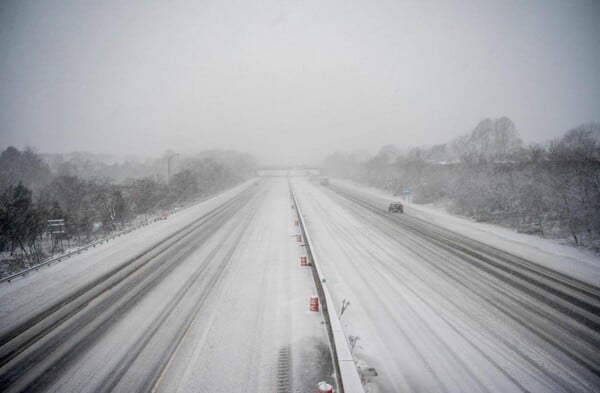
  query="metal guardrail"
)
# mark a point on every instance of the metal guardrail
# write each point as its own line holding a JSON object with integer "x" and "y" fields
{"x": 347, "y": 375}
{"x": 59, "y": 258}
{"x": 67, "y": 255}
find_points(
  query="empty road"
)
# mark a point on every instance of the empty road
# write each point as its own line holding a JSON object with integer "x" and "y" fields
{"x": 212, "y": 299}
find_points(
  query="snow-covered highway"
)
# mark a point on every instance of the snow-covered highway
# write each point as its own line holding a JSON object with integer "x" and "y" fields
{"x": 437, "y": 311}
{"x": 212, "y": 299}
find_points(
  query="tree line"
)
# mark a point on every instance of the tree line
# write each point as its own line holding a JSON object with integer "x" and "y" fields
{"x": 490, "y": 175}
{"x": 33, "y": 192}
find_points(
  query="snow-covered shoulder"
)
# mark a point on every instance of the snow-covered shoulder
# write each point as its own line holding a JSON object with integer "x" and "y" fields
{"x": 576, "y": 262}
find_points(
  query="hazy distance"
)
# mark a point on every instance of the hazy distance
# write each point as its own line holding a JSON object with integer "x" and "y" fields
{"x": 290, "y": 81}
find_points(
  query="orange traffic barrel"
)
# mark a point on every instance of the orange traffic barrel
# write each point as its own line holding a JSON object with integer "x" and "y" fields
{"x": 303, "y": 261}
{"x": 314, "y": 303}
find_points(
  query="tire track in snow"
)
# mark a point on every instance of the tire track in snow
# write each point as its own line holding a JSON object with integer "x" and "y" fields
{"x": 485, "y": 288}
{"x": 581, "y": 353}
{"x": 469, "y": 284}
{"x": 61, "y": 343}
{"x": 26, "y": 333}
{"x": 143, "y": 341}
{"x": 585, "y": 308}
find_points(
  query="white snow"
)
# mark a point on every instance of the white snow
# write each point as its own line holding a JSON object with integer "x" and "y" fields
{"x": 54, "y": 281}
{"x": 576, "y": 262}
{"x": 428, "y": 321}
{"x": 244, "y": 318}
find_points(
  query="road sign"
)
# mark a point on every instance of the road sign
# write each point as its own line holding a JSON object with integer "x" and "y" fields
{"x": 56, "y": 227}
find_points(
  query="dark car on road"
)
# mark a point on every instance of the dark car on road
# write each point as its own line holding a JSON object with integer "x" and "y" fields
{"x": 396, "y": 207}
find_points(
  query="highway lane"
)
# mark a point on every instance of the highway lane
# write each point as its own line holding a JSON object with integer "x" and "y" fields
{"x": 219, "y": 305}
{"x": 73, "y": 274}
{"x": 436, "y": 311}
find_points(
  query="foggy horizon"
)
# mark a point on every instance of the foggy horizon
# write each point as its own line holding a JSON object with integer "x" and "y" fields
{"x": 290, "y": 83}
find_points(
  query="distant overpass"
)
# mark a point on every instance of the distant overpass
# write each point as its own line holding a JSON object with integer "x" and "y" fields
{"x": 288, "y": 170}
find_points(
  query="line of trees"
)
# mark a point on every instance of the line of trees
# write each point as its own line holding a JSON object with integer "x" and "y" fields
{"x": 31, "y": 193}
{"x": 490, "y": 175}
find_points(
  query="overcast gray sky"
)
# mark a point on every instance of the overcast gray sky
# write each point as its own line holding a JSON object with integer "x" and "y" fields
{"x": 290, "y": 81}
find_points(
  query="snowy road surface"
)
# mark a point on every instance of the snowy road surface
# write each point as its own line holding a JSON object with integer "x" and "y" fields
{"x": 437, "y": 311}
{"x": 211, "y": 300}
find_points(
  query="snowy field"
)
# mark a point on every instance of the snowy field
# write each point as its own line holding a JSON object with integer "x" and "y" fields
{"x": 442, "y": 304}
{"x": 211, "y": 300}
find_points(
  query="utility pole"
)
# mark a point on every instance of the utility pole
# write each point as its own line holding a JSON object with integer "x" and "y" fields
{"x": 169, "y": 158}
